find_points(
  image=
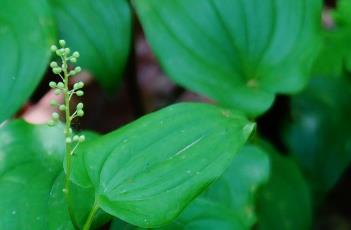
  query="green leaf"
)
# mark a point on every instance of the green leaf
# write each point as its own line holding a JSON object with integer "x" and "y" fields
{"x": 230, "y": 202}
{"x": 26, "y": 33}
{"x": 100, "y": 31}
{"x": 320, "y": 120}
{"x": 239, "y": 53}
{"x": 335, "y": 56}
{"x": 31, "y": 179}
{"x": 147, "y": 172}
{"x": 284, "y": 203}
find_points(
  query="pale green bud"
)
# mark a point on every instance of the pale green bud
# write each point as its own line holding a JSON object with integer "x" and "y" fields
{"x": 72, "y": 72}
{"x": 55, "y": 116}
{"x": 67, "y": 50}
{"x": 68, "y": 140}
{"x": 51, "y": 123}
{"x": 80, "y": 84}
{"x": 57, "y": 70}
{"x": 53, "y": 64}
{"x": 76, "y": 54}
{"x": 60, "y": 85}
{"x": 62, "y": 43}
{"x": 80, "y": 113}
{"x": 52, "y": 84}
{"x": 64, "y": 66}
{"x": 75, "y": 138}
{"x": 73, "y": 59}
{"x": 81, "y": 138}
{"x": 53, "y": 103}
{"x": 62, "y": 107}
{"x": 58, "y": 91}
{"x": 80, "y": 106}
{"x": 53, "y": 48}
{"x": 78, "y": 69}
{"x": 80, "y": 93}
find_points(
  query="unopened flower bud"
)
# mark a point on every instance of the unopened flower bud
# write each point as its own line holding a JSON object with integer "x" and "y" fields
{"x": 80, "y": 93}
{"x": 60, "y": 85}
{"x": 62, "y": 107}
{"x": 78, "y": 69}
{"x": 55, "y": 116}
{"x": 81, "y": 138}
{"x": 56, "y": 70}
{"x": 80, "y": 106}
{"x": 53, "y": 103}
{"x": 67, "y": 50}
{"x": 73, "y": 59}
{"x": 68, "y": 140}
{"x": 62, "y": 42}
{"x": 80, "y": 113}
{"x": 58, "y": 92}
{"x": 52, "y": 84}
{"x": 75, "y": 138}
{"x": 53, "y": 48}
{"x": 75, "y": 54}
{"x": 53, "y": 64}
{"x": 51, "y": 123}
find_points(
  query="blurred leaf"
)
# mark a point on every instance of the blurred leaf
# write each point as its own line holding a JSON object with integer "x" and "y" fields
{"x": 31, "y": 179}
{"x": 230, "y": 202}
{"x": 320, "y": 133}
{"x": 284, "y": 203}
{"x": 239, "y": 53}
{"x": 26, "y": 33}
{"x": 147, "y": 172}
{"x": 100, "y": 31}
{"x": 335, "y": 55}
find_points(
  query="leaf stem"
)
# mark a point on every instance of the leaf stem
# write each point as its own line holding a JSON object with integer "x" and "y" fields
{"x": 90, "y": 218}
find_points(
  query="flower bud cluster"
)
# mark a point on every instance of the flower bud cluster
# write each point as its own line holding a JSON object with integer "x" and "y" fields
{"x": 61, "y": 87}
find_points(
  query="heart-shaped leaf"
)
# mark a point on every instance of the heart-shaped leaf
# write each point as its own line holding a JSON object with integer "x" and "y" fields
{"x": 26, "y": 33}
{"x": 320, "y": 120}
{"x": 31, "y": 179}
{"x": 240, "y": 53}
{"x": 230, "y": 202}
{"x": 147, "y": 172}
{"x": 100, "y": 31}
{"x": 284, "y": 203}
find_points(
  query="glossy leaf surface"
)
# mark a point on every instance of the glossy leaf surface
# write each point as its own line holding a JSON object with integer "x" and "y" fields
{"x": 26, "y": 32}
{"x": 230, "y": 202}
{"x": 100, "y": 31}
{"x": 239, "y": 53}
{"x": 284, "y": 203}
{"x": 319, "y": 135}
{"x": 147, "y": 172}
{"x": 31, "y": 179}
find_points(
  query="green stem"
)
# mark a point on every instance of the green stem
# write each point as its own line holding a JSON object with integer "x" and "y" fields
{"x": 90, "y": 218}
{"x": 68, "y": 150}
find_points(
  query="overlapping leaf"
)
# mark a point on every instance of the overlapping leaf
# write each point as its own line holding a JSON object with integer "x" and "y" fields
{"x": 319, "y": 135}
{"x": 31, "y": 179}
{"x": 147, "y": 172}
{"x": 26, "y": 32}
{"x": 240, "y": 53}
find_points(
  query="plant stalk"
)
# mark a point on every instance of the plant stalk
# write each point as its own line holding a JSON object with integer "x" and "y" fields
{"x": 68, "y": 151}
{"x": 90, "y": 218}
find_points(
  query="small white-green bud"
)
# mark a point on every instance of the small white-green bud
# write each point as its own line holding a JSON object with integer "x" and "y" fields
{"x": 68, "y": 140}
{"x": 64, "y": 66}
{"x": 73, "y": 59}
{"x": 67, "y": 50}
{"x": 62, "y": 43}
{"x": 78, "y": 69}
{"x": 56, "y": 70}
{"x": 75, "y": 54}
{"x": 53, "y": 103}
{"x": 80, "y": 93}
{"x": 51, "y": 123}
{"x": 53, "y": 64}
{"x": 52, "y": 84}
{"x": 80, "y": 84}
{"x": 72, "y": 73}
{"x": 80, "y": 106}
{"x": 58, "y": 92}
{"x": 53, "y": 48}
{"x": 55, "y": 116}
{"x": 75, "y": 138}
{"x": 60, "y": 85}
{"x": 81, "y": 138}
{"x": 80, "y": 113}
{"x": 62, "y": 107}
